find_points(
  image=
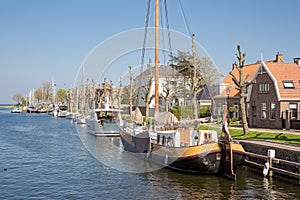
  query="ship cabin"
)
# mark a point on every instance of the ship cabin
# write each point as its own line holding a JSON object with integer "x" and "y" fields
{"x": 184, "y": 137}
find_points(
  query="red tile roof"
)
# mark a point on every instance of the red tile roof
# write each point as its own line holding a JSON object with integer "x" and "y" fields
{"x": 286, "y": 72}
{"x": 249, "y": 70}
{"x": 281, "y": 71}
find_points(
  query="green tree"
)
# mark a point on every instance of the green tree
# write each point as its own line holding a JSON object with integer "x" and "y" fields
{"x": 61, "y": 96}
{"x": 197, "y": 72}
{"x": 23, "y": 101}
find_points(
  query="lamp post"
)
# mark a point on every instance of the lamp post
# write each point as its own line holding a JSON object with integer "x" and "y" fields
{"x": 228, "y": 111}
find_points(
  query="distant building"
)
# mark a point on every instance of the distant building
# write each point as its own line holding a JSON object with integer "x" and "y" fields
{"x": 168, "y": 78}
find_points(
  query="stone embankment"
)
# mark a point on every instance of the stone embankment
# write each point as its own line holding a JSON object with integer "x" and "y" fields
{"x": 286, "y": 161}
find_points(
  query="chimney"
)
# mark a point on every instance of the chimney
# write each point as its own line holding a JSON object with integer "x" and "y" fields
{"x": 279, "y": 57}
{"x": 297, "y": 61}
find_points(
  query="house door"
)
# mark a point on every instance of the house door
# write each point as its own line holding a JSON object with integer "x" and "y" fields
{"x": 283, "y": 119}
{"x": 254, "y": 116}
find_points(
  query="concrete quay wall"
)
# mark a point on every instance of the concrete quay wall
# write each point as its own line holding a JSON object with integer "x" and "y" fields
{"x": 283, "y": 153}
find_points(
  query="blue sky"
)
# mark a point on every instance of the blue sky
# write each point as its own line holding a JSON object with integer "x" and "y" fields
{"x": 51, "y": 38}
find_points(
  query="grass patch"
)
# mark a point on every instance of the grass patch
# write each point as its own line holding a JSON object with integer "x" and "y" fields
{"x": 258, "y": 135}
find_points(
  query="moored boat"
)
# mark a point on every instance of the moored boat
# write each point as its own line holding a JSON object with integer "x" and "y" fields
{"x": 62, "y": 111}
{"x": 80, "y": 119}
{"x": 175, "y": 145}
{"x": 16, "y": 110}
{"x": 32, "y": 109}
{"x": 184, "y": 149}
{"x": 104, "y": 122}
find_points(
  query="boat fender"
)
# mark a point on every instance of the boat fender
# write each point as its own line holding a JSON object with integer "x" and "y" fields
{"x": 166, "y": 159}
{"x": 266, "y": 169}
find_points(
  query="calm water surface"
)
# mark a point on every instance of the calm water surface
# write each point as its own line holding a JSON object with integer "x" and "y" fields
{"x": 45, "y": 157}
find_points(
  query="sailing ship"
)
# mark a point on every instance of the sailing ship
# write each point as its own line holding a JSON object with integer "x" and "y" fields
{"x": 179, "y": 147}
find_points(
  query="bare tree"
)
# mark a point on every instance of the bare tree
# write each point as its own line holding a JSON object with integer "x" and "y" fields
{"x": 169, "y": 94}
{"x": 120, "y": 93}
{"x": 148, "y": 96}
{"x": 131, "y": 90}
{"x": 241, "y": 85}
{"x": 168, "y": 88}
{"x": 47, "y": 91}
{"x": 38, "y": 94}
{"x": 17, "y": 97}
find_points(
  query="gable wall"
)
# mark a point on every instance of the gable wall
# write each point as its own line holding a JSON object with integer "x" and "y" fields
{"x": 256, "y": 100}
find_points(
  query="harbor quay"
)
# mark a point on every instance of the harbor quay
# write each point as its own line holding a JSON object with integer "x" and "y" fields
{"x": 282, "y": 159}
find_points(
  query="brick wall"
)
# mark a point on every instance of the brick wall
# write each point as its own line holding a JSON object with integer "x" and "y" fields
{"x": 267, "y": 97}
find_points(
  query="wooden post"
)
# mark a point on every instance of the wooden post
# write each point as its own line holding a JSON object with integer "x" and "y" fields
{"x": 229, "y": 173}
{"x": 270, "y": 165}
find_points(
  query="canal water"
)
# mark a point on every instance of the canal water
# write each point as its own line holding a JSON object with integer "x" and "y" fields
{"x": 50, "y": 158}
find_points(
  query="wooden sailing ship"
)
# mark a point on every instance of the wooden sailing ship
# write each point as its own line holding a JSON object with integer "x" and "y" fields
{"x": 181, "y": 148}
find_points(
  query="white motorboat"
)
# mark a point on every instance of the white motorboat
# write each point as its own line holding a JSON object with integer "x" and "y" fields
{"x": 105, "y": 122}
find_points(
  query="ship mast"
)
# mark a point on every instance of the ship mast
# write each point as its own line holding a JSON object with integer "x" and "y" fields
{"x": 156, "y": 53}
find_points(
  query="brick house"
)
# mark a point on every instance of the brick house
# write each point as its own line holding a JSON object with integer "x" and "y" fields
{"x": 229, "y": 94}
{"x": 274, "y": 100}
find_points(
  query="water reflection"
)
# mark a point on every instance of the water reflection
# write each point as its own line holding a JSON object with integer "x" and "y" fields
{"x": 168, "y": 184}
{"x": 109, "y": 151}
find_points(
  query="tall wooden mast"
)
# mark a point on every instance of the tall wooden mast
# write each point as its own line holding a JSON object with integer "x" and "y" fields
{"x": 156, "y": 52}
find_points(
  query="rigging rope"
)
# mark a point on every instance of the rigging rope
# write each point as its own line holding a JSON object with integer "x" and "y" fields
{"x": 184, "y": 17}
{"x": 145, "y": 35}
{"x": 162, "y": 35}
{"x": 168, "y": 27}
{"x": 144, "y": 48}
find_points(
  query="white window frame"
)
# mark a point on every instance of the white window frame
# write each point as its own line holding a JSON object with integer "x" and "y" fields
{"x": 288, "y": 84}
{"x": 293, "y": 107}
{"x": 236, "y": 114}
{"x": 263, "y": 87}
{"x": 272, "y": 109}
{"x": 263, "y": 111}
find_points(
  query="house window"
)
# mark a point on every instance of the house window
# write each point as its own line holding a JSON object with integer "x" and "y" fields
{"x": 263, "y": 88}
{"x": 236, "y": 114}
{"x": 247, "y": 109}
{"x": 263, "y": 111}
{"x": 273, "y": 111}
{"x": 288, "y": 84}
{"x": 294, "y": 110}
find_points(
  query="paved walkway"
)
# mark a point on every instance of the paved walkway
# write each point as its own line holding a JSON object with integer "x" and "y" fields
{"x": 273, "y": 144}
{"x": 292, "y": 131}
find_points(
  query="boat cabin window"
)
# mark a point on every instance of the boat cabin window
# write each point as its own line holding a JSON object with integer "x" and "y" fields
{"x": 208, "y": 137}
{"x": 106, "y": 115}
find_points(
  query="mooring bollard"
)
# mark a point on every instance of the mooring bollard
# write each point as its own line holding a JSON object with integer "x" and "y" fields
{"x": 271, "y": 155}
{"x": 268, "y": 165}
